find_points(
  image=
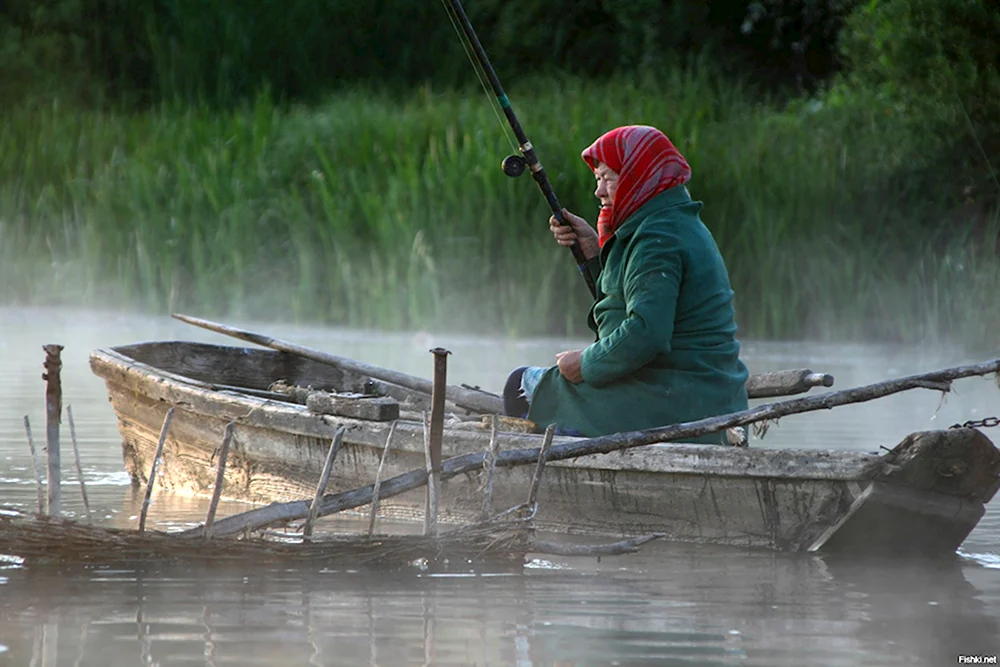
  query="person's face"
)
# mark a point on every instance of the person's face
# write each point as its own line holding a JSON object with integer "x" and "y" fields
{"x": 607, "y": 184}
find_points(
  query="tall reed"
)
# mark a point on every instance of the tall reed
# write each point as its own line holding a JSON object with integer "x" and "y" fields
{"x": 389, "y": 210}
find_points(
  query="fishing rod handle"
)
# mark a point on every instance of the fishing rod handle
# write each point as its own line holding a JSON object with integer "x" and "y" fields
{"x": 538, "y": 173}
{"x": 581, "y": 261}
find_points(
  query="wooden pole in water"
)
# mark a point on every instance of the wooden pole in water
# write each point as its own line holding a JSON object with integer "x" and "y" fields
{"x": 378, "y": 478}
{"x": 76, "y": 459}
{"x": 154, "y": 469}
{"x": 34, "y": 466}
{"x": 431, "y": 506}
{"x": 435, "y": 434}
{"x": 53, "y": 413}
{"x": 220, "y": 476}
{"x": 324, "y": 479}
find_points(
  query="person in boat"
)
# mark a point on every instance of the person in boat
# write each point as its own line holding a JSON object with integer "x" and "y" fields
{"x": 666, "y": 350}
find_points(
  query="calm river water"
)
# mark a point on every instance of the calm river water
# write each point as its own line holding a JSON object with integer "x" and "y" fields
{"x": 669, "y": 605}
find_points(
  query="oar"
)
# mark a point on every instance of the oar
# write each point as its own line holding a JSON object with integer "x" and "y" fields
{"x": 761, "y": 385}
{"x": 479, "y": 401}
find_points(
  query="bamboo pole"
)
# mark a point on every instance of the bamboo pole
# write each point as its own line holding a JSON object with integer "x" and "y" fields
{"x": 491, "y": 468}
{"x": 220, "y": 476}
{"x": 76, "y": 459}
{"x": 378, "y": 478}
{"x": 157, "y": 458}
{"x": 53, "y": 413}
{"x": 280, "y": 512}
{"x": 324, "y": 479}
{"x": 34, "y": 466}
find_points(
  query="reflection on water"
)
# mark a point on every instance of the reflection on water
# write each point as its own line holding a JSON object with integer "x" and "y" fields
{"x": 670, "y": 604}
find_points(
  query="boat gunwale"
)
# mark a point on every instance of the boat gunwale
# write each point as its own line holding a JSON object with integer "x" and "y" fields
{"x": 781, "y": 464}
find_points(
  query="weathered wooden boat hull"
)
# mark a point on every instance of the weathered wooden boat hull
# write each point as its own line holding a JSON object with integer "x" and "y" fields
{"x": 779, "y": 499}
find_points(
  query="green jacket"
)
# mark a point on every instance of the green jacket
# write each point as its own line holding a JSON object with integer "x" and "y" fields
{"x": 666, "y": 349}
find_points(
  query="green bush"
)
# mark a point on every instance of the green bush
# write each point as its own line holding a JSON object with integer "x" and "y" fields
{"x": 43, "y": 52}
{"x": 934, "y": 66}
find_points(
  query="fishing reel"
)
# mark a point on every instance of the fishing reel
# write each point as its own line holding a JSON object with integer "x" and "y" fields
{"x": 513, "y": 165}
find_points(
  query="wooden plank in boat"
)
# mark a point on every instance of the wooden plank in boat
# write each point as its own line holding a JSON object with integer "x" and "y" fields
{"x": 359, "y": 406}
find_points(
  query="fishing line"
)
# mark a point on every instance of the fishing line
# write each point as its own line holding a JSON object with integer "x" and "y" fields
{"x": 481, "y": 75}
{"x": 513, "y": 165}
{"x": 975, "y": 136}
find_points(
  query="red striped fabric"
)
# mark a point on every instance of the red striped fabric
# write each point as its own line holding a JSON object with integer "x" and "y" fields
{"x": 646, "y": 162}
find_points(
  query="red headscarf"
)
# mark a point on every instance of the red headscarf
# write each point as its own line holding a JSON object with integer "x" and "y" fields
{"x": 646, "y": 163}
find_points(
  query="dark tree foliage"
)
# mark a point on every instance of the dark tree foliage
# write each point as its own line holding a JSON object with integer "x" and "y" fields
{"x": 936, "y": 63}
{"x": 777, "y": 43}
{"x": 794, "y": 41}
{"x": 225, "y": 50}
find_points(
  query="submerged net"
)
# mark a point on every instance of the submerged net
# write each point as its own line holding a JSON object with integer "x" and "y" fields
{"x": 41, "y": 539}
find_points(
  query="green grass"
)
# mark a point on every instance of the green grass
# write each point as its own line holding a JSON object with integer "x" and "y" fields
{"x": 390, "y": 210}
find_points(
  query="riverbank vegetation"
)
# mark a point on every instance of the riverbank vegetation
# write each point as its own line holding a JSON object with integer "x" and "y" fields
{"x": 862, "y": 204}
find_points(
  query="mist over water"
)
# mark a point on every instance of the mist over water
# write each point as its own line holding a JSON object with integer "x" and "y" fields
{"x": 670, "y": 604}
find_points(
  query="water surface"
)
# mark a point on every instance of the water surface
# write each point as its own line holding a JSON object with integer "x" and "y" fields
{"x": 671, "y": 604}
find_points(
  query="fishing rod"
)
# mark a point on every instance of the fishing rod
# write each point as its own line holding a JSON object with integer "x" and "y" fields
{"x": 514, "y": 165}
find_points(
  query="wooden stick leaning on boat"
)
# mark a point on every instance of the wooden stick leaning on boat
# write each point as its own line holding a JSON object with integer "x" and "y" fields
{"x": 759, "y": 385}
{"x": 220, "y": 480}
{"x": 490, "y": 465}
{"x": 76, "y": 460}
{"x": 433, "y": 480}
{"x": 378, "y": 478}
{"x": 324, "y": 479}
{"x": 34, "y": 466}
{"x": 283, "y": 512}
{"x": 536, "y": 479}
{"x": 157, "y": 460}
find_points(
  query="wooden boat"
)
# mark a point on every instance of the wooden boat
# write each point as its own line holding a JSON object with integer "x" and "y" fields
{"x": 924, "y": 496}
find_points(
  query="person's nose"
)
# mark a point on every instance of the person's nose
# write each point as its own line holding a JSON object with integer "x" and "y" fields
{"x": 602, "y": 190}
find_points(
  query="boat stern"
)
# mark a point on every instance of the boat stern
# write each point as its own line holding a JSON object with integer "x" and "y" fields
{"x": 931, "y": 495}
